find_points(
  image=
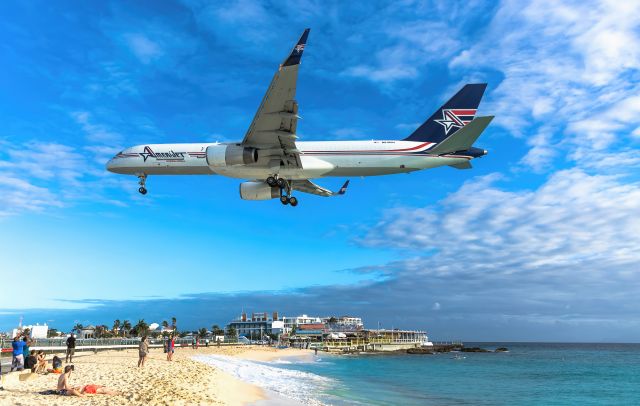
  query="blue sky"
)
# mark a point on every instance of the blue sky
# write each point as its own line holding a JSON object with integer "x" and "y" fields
{"x": 539, "y": 241}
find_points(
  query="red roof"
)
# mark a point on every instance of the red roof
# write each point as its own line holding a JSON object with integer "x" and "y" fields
{"x": 315, "y": 326}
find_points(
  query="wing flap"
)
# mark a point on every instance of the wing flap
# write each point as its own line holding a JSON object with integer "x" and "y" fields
{"x": 306, "y": 186}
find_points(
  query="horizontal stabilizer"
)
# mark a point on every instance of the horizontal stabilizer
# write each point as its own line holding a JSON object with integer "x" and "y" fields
{"x": 464, "y": 138}
{"x": 462, "y": 165}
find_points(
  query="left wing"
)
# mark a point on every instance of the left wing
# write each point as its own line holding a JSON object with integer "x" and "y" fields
{"x": 273, "y": 128}
{"x": 307, "y": 186}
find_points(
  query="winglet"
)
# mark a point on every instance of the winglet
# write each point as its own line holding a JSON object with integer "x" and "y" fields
{"x": 296, "y": 52}
{"x": 343, "y": 189}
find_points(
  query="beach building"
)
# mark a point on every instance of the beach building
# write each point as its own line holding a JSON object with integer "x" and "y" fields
{"x": 257, "y": 326}
{"x": 87, "y": 332}
{"x": 297, "y": 321}
{"x": 36, "y": 331}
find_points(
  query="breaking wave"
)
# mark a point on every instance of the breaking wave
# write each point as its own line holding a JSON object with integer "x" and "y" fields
{"x": 303, "y": 387}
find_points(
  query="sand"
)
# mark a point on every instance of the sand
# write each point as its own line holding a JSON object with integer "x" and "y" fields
{"x": 180, "y": 382}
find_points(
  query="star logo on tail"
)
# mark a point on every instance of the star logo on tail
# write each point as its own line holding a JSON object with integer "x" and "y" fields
{"x": 457, "y": 118}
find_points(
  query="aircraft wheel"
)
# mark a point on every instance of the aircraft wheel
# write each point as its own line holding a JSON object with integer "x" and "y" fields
{"x": 293, "y": 201}
{"x": 282, "y": 183}
{"x": 142, "y": 190}
{"x": 284, "y": 200}
{"x": 271, "y": 181}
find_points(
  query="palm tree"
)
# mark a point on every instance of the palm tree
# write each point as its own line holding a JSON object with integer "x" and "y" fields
{"x": 165, "y": 324}
{"x": 116, "y": 326}
{"x": 126, "y": 326}
{"x": 100, "y": 329}
{"x": 216, "y": 330}
{"x": 141, "y": 328}
{"x": 77, "y": 328}
{"x": 174, "y": 323}
{"x": 202, "y": 332}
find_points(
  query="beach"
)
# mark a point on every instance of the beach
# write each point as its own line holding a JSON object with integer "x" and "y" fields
{"x": 184, "y": 381}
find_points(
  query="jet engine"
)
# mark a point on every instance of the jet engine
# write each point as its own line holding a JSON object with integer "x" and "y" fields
{"x": 258, "y": 191}
{"x": 229, "y": 155}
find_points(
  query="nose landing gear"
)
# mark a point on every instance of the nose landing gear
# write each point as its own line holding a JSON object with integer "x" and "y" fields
{"x": 142, "y": 179}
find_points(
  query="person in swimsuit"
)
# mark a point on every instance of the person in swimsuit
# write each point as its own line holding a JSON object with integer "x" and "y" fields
{"x": 63, "y": 387}
{"x": 97, "y": 390}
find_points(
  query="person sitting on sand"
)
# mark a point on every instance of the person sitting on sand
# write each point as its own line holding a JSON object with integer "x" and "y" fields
{"x": 41, "y": 365}
{"x": 63, "y": 387}
{"x": 143, "y": 350}
{"x": 57, "y": 365}
{"x": 31, "y": 361}
{"x": 97, "y": 390}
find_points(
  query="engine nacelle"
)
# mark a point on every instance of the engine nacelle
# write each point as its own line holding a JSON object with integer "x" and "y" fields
{"x": 229, "y": 155}
{"x": 258, "y": 191}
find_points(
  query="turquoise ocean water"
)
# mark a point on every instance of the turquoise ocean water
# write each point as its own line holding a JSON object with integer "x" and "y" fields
{"x": 529, "y": 374}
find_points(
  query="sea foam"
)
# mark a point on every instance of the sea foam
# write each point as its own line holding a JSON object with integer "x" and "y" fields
{"x": 303, "y": 387}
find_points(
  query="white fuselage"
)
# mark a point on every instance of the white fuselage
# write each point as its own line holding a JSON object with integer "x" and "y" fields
{"x": 319, "y": 159}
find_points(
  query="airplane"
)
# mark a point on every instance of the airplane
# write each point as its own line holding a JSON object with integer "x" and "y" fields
{"x": 275, "y": 163}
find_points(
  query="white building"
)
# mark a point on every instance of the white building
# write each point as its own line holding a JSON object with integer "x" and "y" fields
{"x": 36, "y": 331}
{"x": 291, "y": 322}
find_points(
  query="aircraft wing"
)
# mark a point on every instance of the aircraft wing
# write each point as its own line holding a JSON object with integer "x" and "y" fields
{"x": 273, "y": 128}
{"x": 307, "y": 186}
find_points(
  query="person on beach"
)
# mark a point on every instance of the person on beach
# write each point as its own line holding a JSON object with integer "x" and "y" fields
{"x": 17, "y": 354}
{"x": 71, "y": 348}
{"x": 63, "y": 387}
{"x": 31, "y": 361}
{"x": 97, "y": 390}
{"x": 26, "y": 350}
{"x": 56, "y": 365}
{"x": 143, "y": 350}
{"x": 170, "y": 348}
{"x": 41, "y": 366}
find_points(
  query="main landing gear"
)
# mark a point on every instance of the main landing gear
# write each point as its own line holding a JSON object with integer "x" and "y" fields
{"x": 285, "y": 190}
{"x": 142, "y": 179}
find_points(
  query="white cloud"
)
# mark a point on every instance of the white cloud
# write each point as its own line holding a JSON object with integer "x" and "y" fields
{"x": 564, "y": 65}
{"x": 143, "y": 48}
{"x": 96, "y": 133}
{"x": 573, "y": 241}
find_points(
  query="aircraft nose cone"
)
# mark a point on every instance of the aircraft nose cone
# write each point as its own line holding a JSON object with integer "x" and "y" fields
{"x": 110, "y": 165}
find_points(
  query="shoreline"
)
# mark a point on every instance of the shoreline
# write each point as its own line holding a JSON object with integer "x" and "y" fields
{"x": 184, "y": 381}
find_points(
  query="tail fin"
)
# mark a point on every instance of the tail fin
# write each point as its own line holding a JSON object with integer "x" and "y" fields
{"x": 453, "y": 115}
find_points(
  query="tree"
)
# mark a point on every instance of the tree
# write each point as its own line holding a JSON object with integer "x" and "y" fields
{"x": 26, "y": 332}
{"x": 293, "y": 331}
{"x": 100, "y": 331}
{"x": 332, "y": 320}
{"x": 78, "y": 328}
{"x": 165, "y": 324}
{"x": 126, "y": 327}
{"x": 141, "y": 328}
{"x": 174, "y": 323}
{"x": 52, "y": 332}
{"x": 202, "y": 332}
{"x": 232, "y": 332}
{"x": 116, "y": 326}
{"x": 216, "y": 330}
